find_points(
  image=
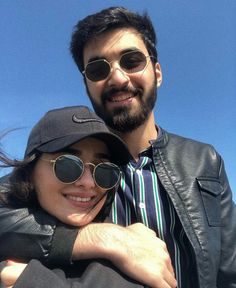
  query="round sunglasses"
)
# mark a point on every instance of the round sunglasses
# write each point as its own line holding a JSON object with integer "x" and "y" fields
{"x": 130, "y": 62}
{"x": 70, "y": 168}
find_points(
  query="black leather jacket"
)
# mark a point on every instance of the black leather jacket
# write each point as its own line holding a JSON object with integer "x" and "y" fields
{"x": 193, "y": 175}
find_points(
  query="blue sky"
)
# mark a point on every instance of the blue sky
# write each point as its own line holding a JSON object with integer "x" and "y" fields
{"x": 196, "y": 44}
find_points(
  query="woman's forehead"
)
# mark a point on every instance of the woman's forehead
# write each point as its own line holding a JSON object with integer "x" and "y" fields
{"x": 90, "y": 146}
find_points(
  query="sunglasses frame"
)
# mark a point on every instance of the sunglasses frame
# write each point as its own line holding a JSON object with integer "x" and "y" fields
{"x": 53, "y": 161}
{"x": 109, "y": 64}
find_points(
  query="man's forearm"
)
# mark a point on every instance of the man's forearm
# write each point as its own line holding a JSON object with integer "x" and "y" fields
{"x": 135, "y": 250}
{"x": 97, "y": 240}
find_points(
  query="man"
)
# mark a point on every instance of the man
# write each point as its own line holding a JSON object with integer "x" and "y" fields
{"x": 175, "y": 186}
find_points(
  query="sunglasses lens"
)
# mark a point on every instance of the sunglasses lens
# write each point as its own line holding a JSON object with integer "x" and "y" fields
{"x": 68, "y": 168}
{"x": 132, "y": 62}
{"x": 97, "y": 70}
{"x": 107, "y": 175}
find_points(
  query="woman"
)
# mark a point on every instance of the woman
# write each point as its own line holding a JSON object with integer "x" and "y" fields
{"x": 69, "y": 170}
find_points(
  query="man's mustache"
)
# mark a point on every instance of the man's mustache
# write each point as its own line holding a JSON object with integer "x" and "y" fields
{"x": 107, "y": 95}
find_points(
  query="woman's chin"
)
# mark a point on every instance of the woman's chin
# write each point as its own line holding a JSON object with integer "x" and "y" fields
{"x": 79, "y": 220}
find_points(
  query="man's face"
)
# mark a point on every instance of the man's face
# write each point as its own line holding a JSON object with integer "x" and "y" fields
{"x": 124, "y": 100}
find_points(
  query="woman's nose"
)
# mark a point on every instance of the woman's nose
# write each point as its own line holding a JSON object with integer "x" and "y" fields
{"x": 86, "y": 179}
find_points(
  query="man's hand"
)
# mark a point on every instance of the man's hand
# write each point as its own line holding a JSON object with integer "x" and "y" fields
{"x": 135, "y": 250}
{"x": 148, "y": 261}
{"x": 11, "y": 272}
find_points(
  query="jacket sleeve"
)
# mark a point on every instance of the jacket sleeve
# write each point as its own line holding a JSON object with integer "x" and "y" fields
{"x": 38, "y": 276}
{"x": 98, "y": 274}
{"x": 227, "y": 269}
{"x": 32, "y": 233}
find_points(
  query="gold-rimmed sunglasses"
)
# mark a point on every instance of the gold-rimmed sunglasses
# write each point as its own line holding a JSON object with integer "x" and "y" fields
{"x": 130, "y": 62}
{"x": 70, "y": 168}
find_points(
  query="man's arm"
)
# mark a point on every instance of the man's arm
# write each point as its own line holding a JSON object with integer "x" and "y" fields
{"x": 135, "y": 250}
{"x": 26, "y": 234}
{"x": 98, "y": 274}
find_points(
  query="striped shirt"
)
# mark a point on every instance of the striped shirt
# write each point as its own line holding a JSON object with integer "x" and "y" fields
{"x": 142, "y": 198}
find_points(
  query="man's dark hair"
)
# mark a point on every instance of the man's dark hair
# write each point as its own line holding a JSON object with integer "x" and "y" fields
{"x": 107, "y": 20}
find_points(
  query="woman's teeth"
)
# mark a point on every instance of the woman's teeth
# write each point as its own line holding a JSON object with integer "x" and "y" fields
{"x": 79, "y": 199}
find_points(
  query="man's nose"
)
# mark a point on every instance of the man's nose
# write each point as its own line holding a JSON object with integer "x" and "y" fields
{"x": 118, "y": 77}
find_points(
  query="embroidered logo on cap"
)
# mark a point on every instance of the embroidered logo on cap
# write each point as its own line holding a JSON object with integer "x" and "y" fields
{"x": 81, "y": 120}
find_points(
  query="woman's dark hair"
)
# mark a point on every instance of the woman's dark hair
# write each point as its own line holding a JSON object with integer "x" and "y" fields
{"x": 17, "y": 189}
{"x": 106, "y": 20}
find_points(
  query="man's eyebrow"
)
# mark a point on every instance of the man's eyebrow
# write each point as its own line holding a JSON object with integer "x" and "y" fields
{"x": 94, "y": 58}
{"x": 129, "y": 50}
{"x": 97, "y": 57}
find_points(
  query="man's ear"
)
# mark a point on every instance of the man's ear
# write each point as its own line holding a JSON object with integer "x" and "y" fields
{"x": 158, "y": 74}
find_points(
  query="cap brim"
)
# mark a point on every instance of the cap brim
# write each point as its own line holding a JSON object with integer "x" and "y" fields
{"x": 119, "y": 152}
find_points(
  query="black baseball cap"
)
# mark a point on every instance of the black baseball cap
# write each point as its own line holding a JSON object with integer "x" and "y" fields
{"x": 60, "y": 128}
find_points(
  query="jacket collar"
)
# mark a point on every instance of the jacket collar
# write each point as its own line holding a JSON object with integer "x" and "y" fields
{"x": 161, "y": 141}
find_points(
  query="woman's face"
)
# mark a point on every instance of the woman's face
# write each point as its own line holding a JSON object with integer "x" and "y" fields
{"x": 78, "y": 203}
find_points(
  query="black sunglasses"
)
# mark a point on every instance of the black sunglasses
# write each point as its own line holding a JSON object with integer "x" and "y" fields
{"x": 69, "y": 168}
{"x": 130, "y": 62}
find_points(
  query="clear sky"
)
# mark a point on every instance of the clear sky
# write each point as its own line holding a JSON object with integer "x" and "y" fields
{"x": 197, "y": 52}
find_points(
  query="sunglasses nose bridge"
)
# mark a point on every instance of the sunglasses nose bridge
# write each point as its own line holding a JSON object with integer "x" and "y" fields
{"x": 86, "y": 177}
{"x": 89, "y": 166}
{"x": 117, "y": 73}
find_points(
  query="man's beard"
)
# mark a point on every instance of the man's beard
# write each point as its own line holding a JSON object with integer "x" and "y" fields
{"x": 120, "y": 119}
